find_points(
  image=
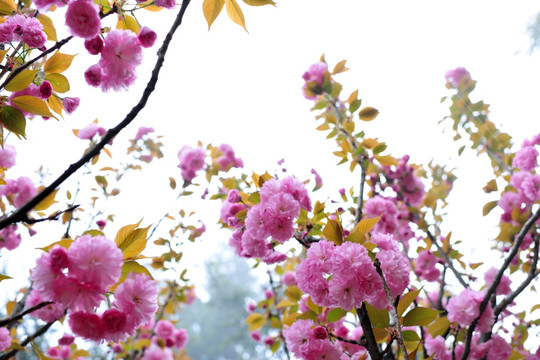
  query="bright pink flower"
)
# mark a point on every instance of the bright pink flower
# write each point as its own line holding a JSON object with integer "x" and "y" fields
{"x": 255, "y": 335}
{"x": 89, "y": 131}
{"x": 5, "y": 339}
{"x": 251, "y": 307}
{"x": 526, "y": 158}
{"x": 137, "y": 297}
{"x": 499, "y": 349}
{"x": 32, "y": 33}
{"x": 120, "y": 55}
{"x": 191, "y": 161}
{"x": 47, "y": 313}
{"x": 93, "y": 75}
{"x": 9, "y": 238}
{"x": 59, "y": 258}
{"x": 45, "y": 90}
{"x": 115, "y": 325}
{"x": 316, "y": 72}
{"x": 96, "y": 261}
{"x": 46, "y": 277}
{"x": 425, "y": 266}
{"x": 82, "y": 19}
{"x": 297, "y": 190}
{"x": 7, "y": 156}
{"x": 143, "y": 130}
{"x": 147, "y": 37}
{"x": 168, "y": 4}
{"x": 180, "y": 338}
{"x": 527, "y": 185}
{"x": 86, "y": 325}
{"x": 66, "y": 340}
{"x": 289, "y": 278}
{"x": 45, "y": 5}
{"x": 454, "y": 77}
{"x": 164, "y": 329}
{"x": 71, "y": 104}
{"x": 117, "y": 348}
{"x": 302, "y": 342}
{"x": 269, "y": 341}
{"x": 504, "y": 285}
{"x": 437, "y": 348}
{"x": 22, "y": 190}
{"x": 76, "y": 295}
{"x": 94, "y": 45}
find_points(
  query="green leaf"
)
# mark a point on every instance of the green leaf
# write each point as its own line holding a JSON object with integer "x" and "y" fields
{"x": 409, "y": 335}
{"x": 21, "y": 81}
{"x": 488, "y": 207}
{"x": 420, "y": 316}
{"x": 379, "y": 318}
{"x": 335, "y": 314}
{"x": 406, "y": 300}
{"x": 308, "y": 315}
{"x": 211, "y": 10}
{"x": 235, "y": 13}
{"x": 131, "y": 240}
{"x": 59, "y": 82}
{"x": 13, "y": 120}
{"x": 32, "y": 105}
{"x": 368, "y": 113}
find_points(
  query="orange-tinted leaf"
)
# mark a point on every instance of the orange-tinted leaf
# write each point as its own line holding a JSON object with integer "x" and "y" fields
{"x": 211, "y": 10}
{"x": 235, "y": 13}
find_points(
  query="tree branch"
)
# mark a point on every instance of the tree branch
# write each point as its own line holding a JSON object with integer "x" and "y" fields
{"x": 513, "y": 252}
{"x": 371, "y": 343}
{"x": 19, "y": 316}
{"x": 42, "y": 330}
{"x": 20, "y": 214}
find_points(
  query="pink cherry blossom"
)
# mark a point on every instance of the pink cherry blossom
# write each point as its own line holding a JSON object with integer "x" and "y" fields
{"x": 157, "y": 353}
{"x": 9, "y": 238}
{"x": 181, "y": 338}
{"x": 167, "y": 4}
{"x": 5, "y": 339}
{"x": 8, "y": 155}
{"x": 504, "y": 285}
{"x": 147, "y": 37}
{"x": 191, "y": 161}
{"x": 425, "y": 266}
{"x": 228, "y": 160}
{"x": 86, "y": 325}
{"x": 143, "y": 130}
{"x": 47, "y": 313}
{"x": 137, "y": 297}
{"x": 454, "y": 77}
{"x": 71, "y": 104}
{"x": 82, "y": 18}
{"x": 88, "y": 132}
{"x": 115, "y": 326}
{"x": 94, "y": 45}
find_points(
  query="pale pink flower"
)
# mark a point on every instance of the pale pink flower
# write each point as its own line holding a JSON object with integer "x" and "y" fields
{"x": 147, "y": 37}
{"x": 143, "y": 130}
{"x": 425, "y": 266}
{"x": 437, "y": 348}
{"x": 157, "y": 353}
{"x": 82, "y": 19}
{"x": 454, "y": 77}
{"x": 164, "y": 329}
{"x": 527, "y": 185}
{"x": 289, "y": 278}
{"x": 228, "y": 160}
{"x": 499, "y": 349}
{"x": 47, "y": 313}
{"x": 32, "y": 33}
{"x": 384, "y": 207}
{"x": 191, "y": 161}
{"x": 180, "y": 337}
{"x": 9, "y": 238}
{"x": 137, "y": 297}
{"x": 465, "y": 307}
{"x": 45, "y": 5}
{"x": 7, "y": 156}
{"x": 96, "y": 261}
{"x": 5, "y": 339}
{"x": 504, "y": 285}
{"x": 88, "y": 132}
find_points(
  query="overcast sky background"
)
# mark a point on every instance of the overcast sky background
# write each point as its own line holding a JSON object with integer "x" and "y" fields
{"x": 228, "y": 86}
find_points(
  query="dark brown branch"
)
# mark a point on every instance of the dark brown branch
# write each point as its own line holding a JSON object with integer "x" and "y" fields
{"x": 20, "y": 214}
{"x": 530, "y": 277}
{"x": 513, "y": 252}
{"x": 42, "y": 330}
{"x": 371, "y": 342}
{"x": 51, "y": 217}
{"x": 19, "y": 316}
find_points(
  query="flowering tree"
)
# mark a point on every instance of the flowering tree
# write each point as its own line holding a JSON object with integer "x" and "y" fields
{"x": 368, "y": 274}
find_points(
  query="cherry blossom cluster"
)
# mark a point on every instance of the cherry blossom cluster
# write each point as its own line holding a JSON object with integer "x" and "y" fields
{"x": 495, "y": 348}
{"x": 525, "y": 182}
{"x": 21, "y": 28}
{"x": 344, "y": 276}
{"x": 191, "y": 161}
{"x": 228, "y": 160}
{"x": 272, "y": 218}
{"x": 76, "y": 280}
{"x": 405, "y": 182}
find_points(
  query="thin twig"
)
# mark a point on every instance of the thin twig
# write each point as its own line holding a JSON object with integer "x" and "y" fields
{"x": 42, "y": 330}
{"x": 20, "y": 214}
{"x": 53, "y": 216}
{"x": 19, "y": 316}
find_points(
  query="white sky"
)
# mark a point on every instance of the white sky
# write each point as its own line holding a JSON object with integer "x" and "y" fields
{"x": 227, "y": 86}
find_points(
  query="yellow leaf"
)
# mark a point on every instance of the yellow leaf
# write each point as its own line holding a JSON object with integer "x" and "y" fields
{"x": 259, "y": 2}
{"x": 55, "y": 104}
{"x": 58, "y": 63}
{"x": 255, "y": 321}
{"x": 340, "y": 67}
{"x": 211, "y": 10}
{"x": 3, "y": 54}
{"x": 333, "y": 231}
{"x": 131, "y": 240}
{"x": 366, "y": 225}
{"x": 128, "y": 23}
{"x": 48, "y": 27}
{"x": 7, "y": 7}
{"x": 128, "y": 268}
{"x": 65, "y": 243}
{"x": 59, "y": 82}
{"x": 4, "y": 277}
{"x": 47, "y": 202}
{"x": 386, "y": 160}
{"x": 368, "y": 113}
{"x": 32, "y": 105}
{"x": 21, "y": 81}
{"x": 235, "y": 13}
